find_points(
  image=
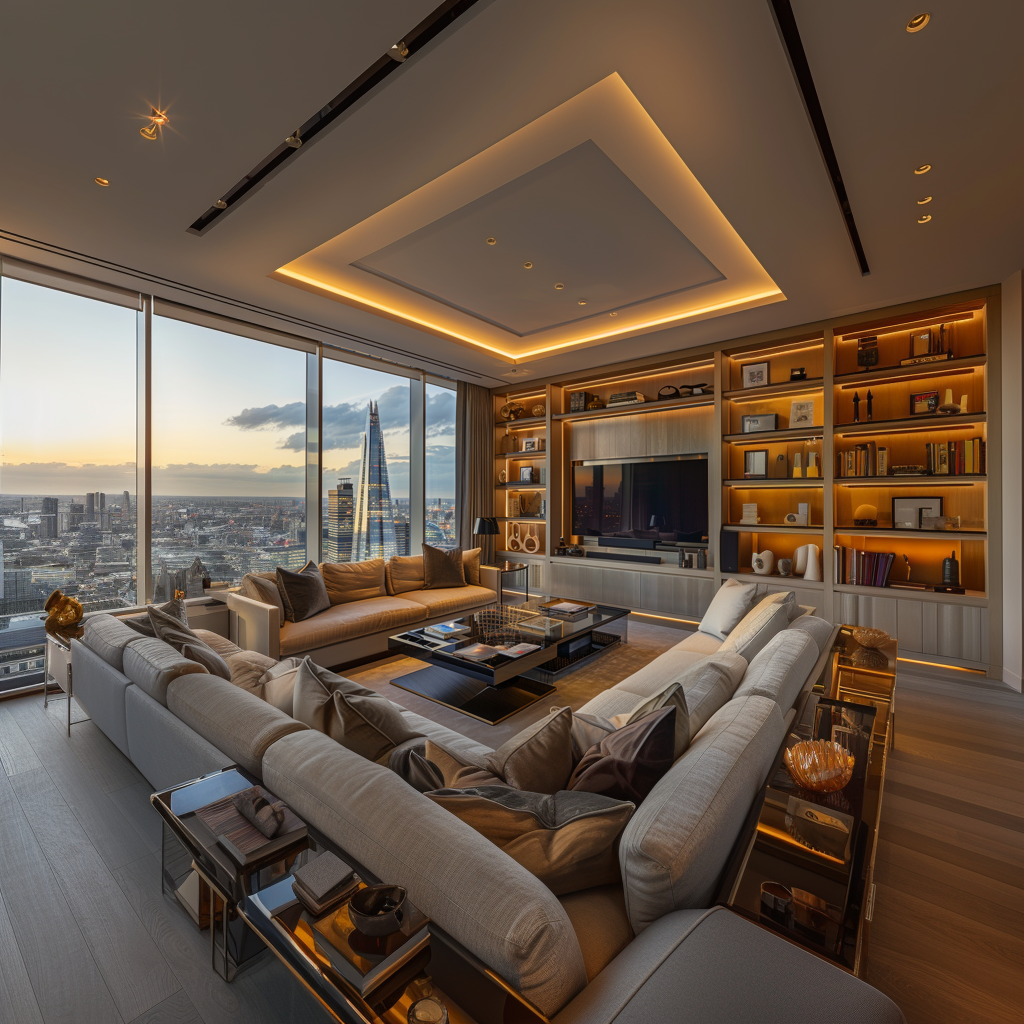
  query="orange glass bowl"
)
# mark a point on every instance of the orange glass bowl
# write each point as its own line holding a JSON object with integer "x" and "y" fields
{"x": 822, "y": 766}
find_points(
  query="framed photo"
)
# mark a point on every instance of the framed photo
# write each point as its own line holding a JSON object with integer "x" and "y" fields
{"x": 755, "y": 463}
{"x": 529, "y": 444}
{"x": 526, "y": 474}
{"x": 920, "y": 343}
{"x": 922, "y": 403}
{"x": 908, "y": 512}
{"x": 867, "y": 352}
{"x": 755, "y": 424}
{"x": 754, "y": 375}
{"x": 801, "y": 414}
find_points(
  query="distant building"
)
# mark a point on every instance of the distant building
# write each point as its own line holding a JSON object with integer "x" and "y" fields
{"x": 340, "y": 511}
{"x": 374, "y": 522}
{"x": 48, "y": 519}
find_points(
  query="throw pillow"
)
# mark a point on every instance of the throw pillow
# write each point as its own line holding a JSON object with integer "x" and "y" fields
{"x": 403, "y": 573}
{"x": 221, "y": 644}
{"x": 247, "y": 668}
{"x": 141, "y": 624}
{"x": 409, "y": 762}
{"x": 168, "y": 627}
{"x": 357, "y": 718}
{"x": 208, "y": 658}
{"x": 768, "y": 617}
{"x": 471, "y": 566}
{"x": 262, "y": 587}
{"x": 277, "y": 684}
{"x": 628, "y": 762}
{"x": 538, "y": 759}
{"x": 568, "y": 840}
{"x": 303, "y": 592}
{"x": 442, "y": 569}
{"x": 455, "y": 772}
{"x": 353, "y": 581}
{"x": 670, "y": 695}
{"x": 727, "y": 608}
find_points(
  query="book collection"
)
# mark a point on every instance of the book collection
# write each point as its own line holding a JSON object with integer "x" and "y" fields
{"x": 862, "y": 568}
{"x": 943, "y": 458}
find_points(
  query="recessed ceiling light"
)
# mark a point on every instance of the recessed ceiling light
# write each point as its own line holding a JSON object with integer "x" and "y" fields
{"x": 924, "y": 220}
{"x": 613, "y": 314}
{"x": 559, "y": 286}
{"x": 491, "y": 241}
{"x": 220, "y": 204}
{"x": 101, "y": 181}
{"x": 293, "y": 140}
{"x": 527, "y": 265}
{"x": 921, "y": 202}
{"x": 923, "y": 169}
{"x": 582, "y": 302}
{"x": 918, "y": 22}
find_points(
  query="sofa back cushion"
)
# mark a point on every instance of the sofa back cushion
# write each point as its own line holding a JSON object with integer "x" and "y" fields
{"x": 757, "y": 627}
{"x": 262, "y": 586}
{"x": 780, "y": 671}
{"x": 475, "y": 892}
{"x": 471, "y": 566}
{"x": 151, "y": 665}
{"x": 234, "y": 721}
{"x": 676, "y": 844}
{"x": 108, "y": 637}
{"x": 354, "y": 581}
{"x": 819, "y": 629}
{"x": 404, "y": 573}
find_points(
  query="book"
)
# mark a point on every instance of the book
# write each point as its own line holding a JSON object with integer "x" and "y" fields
{"x": 324, "y": 882}
{"x": 477, "y": 652}
{"x": 569, "y": 611}
{"x": 446, "y": 629}
{"x": 519, "y": 650}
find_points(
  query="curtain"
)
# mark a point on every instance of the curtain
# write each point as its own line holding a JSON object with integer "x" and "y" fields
{"x": 474, "y": 461}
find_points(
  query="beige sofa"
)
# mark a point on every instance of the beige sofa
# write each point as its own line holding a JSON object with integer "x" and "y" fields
{"x": 370, "y": 601}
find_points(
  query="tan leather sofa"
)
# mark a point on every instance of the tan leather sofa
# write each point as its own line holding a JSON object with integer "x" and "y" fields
{"x": 356, "y": 625}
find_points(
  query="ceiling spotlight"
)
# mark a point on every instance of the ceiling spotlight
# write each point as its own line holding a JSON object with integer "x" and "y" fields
{"x": 527, "y": 265}
{"x": 157, "y": 119}
{"x": 924, "y": 220}
{"x": 220, "y": 204}
{"x": 918, "y": 22}
{"x": 613, "y": 314}
{"x": 923, "y": 169}
{"x": 101, "y": 181}
{"x": 491, "y": 241}
{"x": 921, "y": 202}
{"x": 399, "y": 51}
{"x": 559, "y": 286}
{"x": 293, "y": 140}
{"x": 582, "y": 302}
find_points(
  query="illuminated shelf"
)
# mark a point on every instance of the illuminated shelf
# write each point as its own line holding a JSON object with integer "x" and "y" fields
{"x": 771, "y": 390}
{"x": 747, "y": 575}
{"x": 520, "y": 455}
{"x": 520, "y": 487}
{"x": 911, "y": 424}
{"x": 880, "y": 375}
{"x": 936, "y": 480}
{"x": 634, "y": 407}
{"x": 520, "y": 519}
{"x": 972, "y": 597}
{"x": 816, "y": 531}
{"x": 785, "y": 481}
{"x": 885, "y": 531}
{"x": 793, "y": 434}
{"x": 522, "y": 423}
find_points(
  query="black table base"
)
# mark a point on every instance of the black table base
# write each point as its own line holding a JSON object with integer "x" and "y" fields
{"x": 491, "y": 704}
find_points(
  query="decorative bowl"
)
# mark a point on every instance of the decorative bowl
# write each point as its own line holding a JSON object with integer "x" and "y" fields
{"x": 512, "y": 411}
{"x": 819, "y": 765}
{"x": 868, "y": 637}
{"x": 377, "y": 909}
{"x": 537, "y": 410}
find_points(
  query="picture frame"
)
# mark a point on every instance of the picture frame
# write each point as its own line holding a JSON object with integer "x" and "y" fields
{"x": 867, "y": 352}
{"x": 526, "y": 474}
{"x": 907, "y": 512}
{"x": 755, "y": 375}
{"x": 756, "y": 424}
{"x": 924, "y": 403}
{"x": 755, "y": 464}
{"x": 920, "y": 343}
{"x": 529, "y": 444}
{"x": 801, "y": 414}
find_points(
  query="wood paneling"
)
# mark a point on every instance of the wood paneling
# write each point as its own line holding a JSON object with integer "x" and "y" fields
{"x": 682, "y": 596}
{"x": 647, "y": 433}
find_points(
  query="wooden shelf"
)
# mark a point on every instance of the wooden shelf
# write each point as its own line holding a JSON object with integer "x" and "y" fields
{"x": 815, "y": 531}
{"x": 523, "y": 423}
{"x": 911, "y": 423}
{"x": 520, "y": 519}
{"x": 520, "y": 487}
{"x": 938, "y": 480}
{"x": 797, "y": 434}
{"x": 748, "y": 576}
{"x": 879, "y": 375}
{"x": 779, "y": 482}
{"x": 626, "y": 410}
{"x": 884, "y": 531}
{"x": 972, "y": 597}
{"x": 521, "y": 455}
{"x": 771, "y": 390}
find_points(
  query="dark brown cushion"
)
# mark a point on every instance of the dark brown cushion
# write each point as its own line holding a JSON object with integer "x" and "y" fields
{"x": 627, "y": 763}
{"x": 141, "y": 624}
{"x": 357, "y": 718}
{"x": 303, "y": 593}
{"x": 442, "y": 569}
{"x": 568, "y": 839}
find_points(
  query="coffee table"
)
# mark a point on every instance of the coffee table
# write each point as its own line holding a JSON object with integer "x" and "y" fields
{"x": 493, "y": 690}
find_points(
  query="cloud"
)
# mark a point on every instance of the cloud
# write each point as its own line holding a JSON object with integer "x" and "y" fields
{"x": 269, "y": 417}
{"x": 62, "y": 478}
{"x": 441, "y": 413}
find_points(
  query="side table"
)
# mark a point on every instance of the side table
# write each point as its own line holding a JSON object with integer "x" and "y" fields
{"x": 57, "y": 665}
{"x": 511, "y": 569}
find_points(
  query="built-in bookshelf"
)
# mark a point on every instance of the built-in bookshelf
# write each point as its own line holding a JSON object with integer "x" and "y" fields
{"x": 785, "y": 422}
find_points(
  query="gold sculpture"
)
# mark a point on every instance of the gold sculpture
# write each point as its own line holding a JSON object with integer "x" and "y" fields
{"x": 820, "y": 765}
{"x": 63, "y": 611}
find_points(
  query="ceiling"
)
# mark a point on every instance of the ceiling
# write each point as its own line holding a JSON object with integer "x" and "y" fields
{"x": 713, "y": 78}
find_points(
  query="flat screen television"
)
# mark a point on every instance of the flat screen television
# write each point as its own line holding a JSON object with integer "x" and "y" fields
{"x": 646, "y": 501}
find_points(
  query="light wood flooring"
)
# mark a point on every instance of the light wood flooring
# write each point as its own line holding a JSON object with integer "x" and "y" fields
{"x": 86, "y": 937}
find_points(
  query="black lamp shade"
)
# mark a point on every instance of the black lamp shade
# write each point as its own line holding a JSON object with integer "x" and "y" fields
{"x": 486, "y": 526}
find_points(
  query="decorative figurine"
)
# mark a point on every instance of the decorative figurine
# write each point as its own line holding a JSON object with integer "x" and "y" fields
{"x": 856, "y": 407}
{"x": 871, "y": 398}
{"x": 763, "y": 563}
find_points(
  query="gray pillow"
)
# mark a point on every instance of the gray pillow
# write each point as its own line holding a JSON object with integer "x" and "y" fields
{"x": 303, "y": 593}
{"x": 141, "y": 623}
{"x": 171, "y": 631}
{"x": 208, "y": 658}
{"x": 442, "y": 569}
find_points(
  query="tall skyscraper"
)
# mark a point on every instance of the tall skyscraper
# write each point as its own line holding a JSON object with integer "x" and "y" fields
{"x": 126, "y": 503}
{"x": 340, "y": 503}
{"x": 90, "y": 507}
{"x": 48, "y": 519}
{"x": 374, "y": 521}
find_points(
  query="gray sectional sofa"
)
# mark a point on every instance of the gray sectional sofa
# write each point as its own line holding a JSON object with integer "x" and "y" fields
{"x": 652, "y": 948}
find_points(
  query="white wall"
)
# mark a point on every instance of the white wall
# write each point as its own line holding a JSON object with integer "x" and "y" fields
{"x": 1013, "y": 400}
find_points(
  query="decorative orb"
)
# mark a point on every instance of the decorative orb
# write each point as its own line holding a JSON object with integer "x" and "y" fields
{"x": 820, "y": 765}
{"x": 537, "y": 410}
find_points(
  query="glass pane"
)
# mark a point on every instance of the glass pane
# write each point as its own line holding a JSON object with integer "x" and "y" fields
{"x": 441, "y": 524}
{"x": 67, "y": 462}
{"x": 229, "y": 440}
{"x": 366, "y": 463}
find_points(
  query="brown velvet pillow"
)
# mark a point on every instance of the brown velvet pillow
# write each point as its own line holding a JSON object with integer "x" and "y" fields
{"x": 442, "y": 569}
{"x": 627, "y": 764}
{"x": 303, "y": 593}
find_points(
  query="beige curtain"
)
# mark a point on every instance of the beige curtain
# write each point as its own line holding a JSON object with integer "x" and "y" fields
{"x": 474, "y": 457}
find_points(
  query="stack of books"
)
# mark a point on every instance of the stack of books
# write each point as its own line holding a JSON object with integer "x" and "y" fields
{"x": 578, "y": 400}
{"x": 956, "y": 458}
{"x": 626, "y": 398}
{"x": 568, "y": 611}
{"x": 862, "y": 568}
{"x": 324, "y": 882}
{"x": 446, "y": 630}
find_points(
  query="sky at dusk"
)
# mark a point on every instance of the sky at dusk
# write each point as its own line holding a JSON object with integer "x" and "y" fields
{"x": 228, "y": 412}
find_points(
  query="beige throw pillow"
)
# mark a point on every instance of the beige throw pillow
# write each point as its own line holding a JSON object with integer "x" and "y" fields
{"x": 262, "y": 587}
{"x": 538, "y": 759}
{"x": 354, "y": 581}
{"x": 568, "y": 840}
{"x": 277, "y": 684}
{"x": 357, "y": 718}
{"x": 247, "y": 667}
{"x": 404, "y": 573}
{"x": 471, "y": 566}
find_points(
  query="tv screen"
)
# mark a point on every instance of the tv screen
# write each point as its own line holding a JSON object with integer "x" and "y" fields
{"x": 656, "y": 499}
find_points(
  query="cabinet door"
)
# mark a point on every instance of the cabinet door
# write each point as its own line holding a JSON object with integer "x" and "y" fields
{"x": 861, "y": 610}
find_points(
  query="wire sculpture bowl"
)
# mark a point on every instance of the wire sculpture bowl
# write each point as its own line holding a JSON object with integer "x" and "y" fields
{"x": 819, "y": 765}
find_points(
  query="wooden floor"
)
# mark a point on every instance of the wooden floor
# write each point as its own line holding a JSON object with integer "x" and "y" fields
{"x": 86, "y": 937}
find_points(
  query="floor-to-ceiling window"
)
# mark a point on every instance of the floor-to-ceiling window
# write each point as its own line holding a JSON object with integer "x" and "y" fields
{"x": 228, "y": 454}
{"x": 366, "y": 428}
{"x": 67, "y": 462}
{"x": 440, "y": 522}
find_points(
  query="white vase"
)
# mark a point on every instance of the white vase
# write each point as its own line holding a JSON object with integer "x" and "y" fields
{"x": 513, "y": 537}
{"x": 531, "y": 542}
{"x": 763, "y": 563}
{"x": 807, "y": 562}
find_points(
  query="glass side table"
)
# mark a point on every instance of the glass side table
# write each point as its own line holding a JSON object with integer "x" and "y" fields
{"x": 57, "y": 666}
{"x": 512, "y": 574}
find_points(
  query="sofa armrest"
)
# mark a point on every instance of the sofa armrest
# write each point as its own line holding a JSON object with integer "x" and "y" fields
{"x": 255, "y": 626}
{"x": 490, "y": 578}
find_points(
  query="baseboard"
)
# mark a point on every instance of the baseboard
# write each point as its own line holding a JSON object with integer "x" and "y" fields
{"x": 1012, "y": 679}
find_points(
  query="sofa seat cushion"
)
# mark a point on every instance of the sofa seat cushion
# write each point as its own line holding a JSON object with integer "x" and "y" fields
{"x": 239, "y": 723}
{"x": 347, "y": 621}
{"x": 152, "y": 665}
{"x": 451, "y": 600}
{"x": 465, "y": 747}
{"x": 676, "y": 844}
{"x": 108, "y": 637}
{"x": 657, "y": 674}
{"x": 715, "y": 967}
{"x": 699, "y": 643}
{"x": 598, "y": 917}
{"x": 780, "y": 671}
{"x": 758, "y": 626}
{"x": 354, "y": 581}
{"x": 479, "y": 895}
{"x": 403, "y": 574}
{"x": 819, "y": 629}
